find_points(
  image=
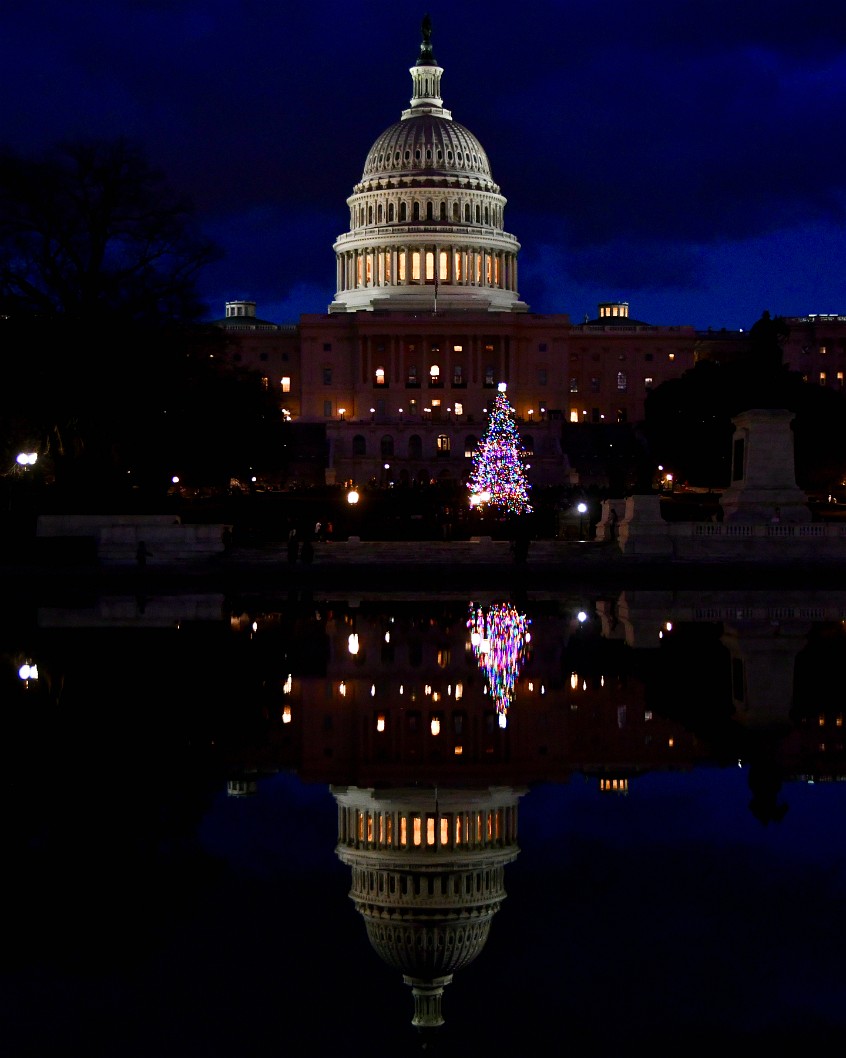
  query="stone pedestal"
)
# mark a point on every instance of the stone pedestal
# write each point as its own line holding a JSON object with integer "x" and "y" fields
{"x": 763, "y": 475}
{"x": 643, "y": 531}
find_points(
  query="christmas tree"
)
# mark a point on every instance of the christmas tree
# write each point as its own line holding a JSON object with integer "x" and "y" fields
{"x": 499, "y": 476}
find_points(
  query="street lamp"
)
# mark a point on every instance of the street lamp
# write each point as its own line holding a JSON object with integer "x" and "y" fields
{"x": 26, "y": 459}
{"x": 582, "y": 509}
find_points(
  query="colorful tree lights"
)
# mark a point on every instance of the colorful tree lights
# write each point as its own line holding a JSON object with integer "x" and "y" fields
{"x": 499, "y": 637}
{"x": 499, "y": 474}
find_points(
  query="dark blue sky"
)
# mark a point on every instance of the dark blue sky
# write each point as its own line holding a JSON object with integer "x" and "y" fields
{"x": 690, "y": 159}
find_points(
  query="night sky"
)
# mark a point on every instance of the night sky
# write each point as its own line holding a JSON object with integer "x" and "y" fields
{"x": 689, "y": 159}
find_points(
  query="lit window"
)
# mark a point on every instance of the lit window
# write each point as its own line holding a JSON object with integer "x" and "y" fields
{"x": 380, "y": 376}
{"x": 672, "y": 356}
{"x": 823, "y": 377}
{"x": 434, "y": 372}
{"x": 265, "y": 382}
{"x": 574, "y": 416}
{"x": 574, "y": 385}
{"x": 443, "y": 444}
{"x": 286, "y": 384}
{"x": 622, "y": 381}
{"x": 459, "y": 408}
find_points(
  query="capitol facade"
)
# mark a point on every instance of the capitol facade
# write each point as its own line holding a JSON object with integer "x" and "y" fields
{"x": 399, "y": 374}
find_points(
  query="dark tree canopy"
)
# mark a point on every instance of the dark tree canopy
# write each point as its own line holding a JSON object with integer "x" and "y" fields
{"x": 90, "y": 232}
{"x": 107, "y": 374}
{"x": 689, "y": 420}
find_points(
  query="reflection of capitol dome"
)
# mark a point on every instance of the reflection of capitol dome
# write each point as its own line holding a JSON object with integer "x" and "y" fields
{"x": 427, "y": 877}
{"x": 426, "y": 218}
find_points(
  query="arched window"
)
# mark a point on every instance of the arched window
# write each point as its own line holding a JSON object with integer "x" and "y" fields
{"x": 467, "y": 211}
{"x": 386, "y": 446}
{"x": 359, "y": 445}
{"x": 369, "y": 214}
{"x": 390, "y": 211}
{"x": 443, "y": 214}
{"x": 379, "y": 378}
{"x": 471, "y": 443}
{"x": 430, "y": 211}
{"x": 442, "y": 445}
{"x": 415, "y": 447}
{"x": 415, "y": 214}
{"x": 456, "y": 211}
{"x": 379, "y": 213}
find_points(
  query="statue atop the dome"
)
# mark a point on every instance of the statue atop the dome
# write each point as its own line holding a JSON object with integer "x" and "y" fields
{"x": 426, "y": 56}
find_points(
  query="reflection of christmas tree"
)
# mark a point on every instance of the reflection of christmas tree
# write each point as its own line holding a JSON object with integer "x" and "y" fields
{"x": 500, "y": 638}
{"x": 499, "y": 476}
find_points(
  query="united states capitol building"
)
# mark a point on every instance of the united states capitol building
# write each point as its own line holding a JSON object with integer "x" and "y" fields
{"x": 427, "y": 320}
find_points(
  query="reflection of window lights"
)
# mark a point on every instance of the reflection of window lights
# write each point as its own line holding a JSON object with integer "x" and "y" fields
{"x": 286, "y": 384}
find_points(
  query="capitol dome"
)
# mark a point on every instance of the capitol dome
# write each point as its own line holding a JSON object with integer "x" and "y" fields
{"x": 428, "y": 875}
{"x": 426, "y": 217}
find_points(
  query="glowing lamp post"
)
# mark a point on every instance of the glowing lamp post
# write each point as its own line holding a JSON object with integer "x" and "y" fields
{"x": 582, "y": 509}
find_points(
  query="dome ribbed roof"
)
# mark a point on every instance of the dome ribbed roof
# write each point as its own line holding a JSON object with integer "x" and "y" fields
{"x": 431, "y": 145}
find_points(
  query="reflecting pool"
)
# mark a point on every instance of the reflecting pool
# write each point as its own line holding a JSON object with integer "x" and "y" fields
{"x": 384, "y": 824}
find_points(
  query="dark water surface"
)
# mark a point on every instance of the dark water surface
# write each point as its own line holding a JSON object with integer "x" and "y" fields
{"x": 170, "y": 781}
